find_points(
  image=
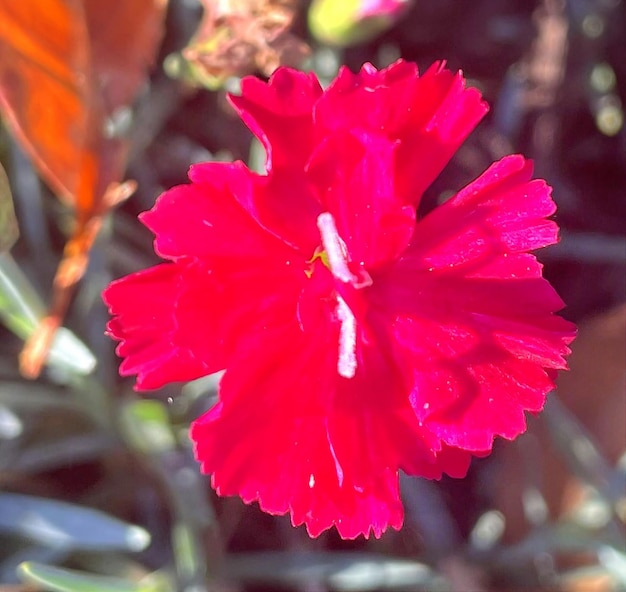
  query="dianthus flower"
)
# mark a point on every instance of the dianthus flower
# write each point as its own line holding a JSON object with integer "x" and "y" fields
{"x": 357, "y": 339}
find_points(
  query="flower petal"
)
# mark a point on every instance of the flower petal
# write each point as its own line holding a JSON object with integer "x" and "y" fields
{"x": 180, "y": 321}
{"x": 467, "y": 388}
{"x": 230, "y": 211}
{"x": 442, "y": 117}
{"x": 211, "y": 218}
{"x": 470, "y": 313}
{"x": 149, "y": 321}
{"x": 497, "y": 216}
{"x": 286, "y": 460}
{"x": 430, "y": 116}
{"x": 279, "y": 114}
{"x": 288, "y": 466}
{"x": 352, "y": 176}
{"x": 374, "y": 100}
{"x": 324, "y": 448}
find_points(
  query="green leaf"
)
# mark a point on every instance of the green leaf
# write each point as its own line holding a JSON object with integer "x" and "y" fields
{"x": 67, "y": 526}
{"x": 186, "y": 551}
{"x": 8, "y": 222}
{"x": 146, "y": 426}
{"x": 58, "y": 579}
{"x": 21, "y": 309}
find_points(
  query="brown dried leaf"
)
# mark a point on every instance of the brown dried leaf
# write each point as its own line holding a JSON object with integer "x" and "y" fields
{"x": 241, "y": 37}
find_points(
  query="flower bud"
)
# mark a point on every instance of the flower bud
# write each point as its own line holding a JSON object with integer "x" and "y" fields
{"x": 353, "y": 21}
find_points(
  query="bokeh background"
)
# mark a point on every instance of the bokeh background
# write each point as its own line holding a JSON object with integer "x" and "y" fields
{"x": 98, "y": 487}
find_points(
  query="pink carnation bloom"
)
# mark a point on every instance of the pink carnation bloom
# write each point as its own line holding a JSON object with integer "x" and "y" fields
{"x": 357, "y": 340}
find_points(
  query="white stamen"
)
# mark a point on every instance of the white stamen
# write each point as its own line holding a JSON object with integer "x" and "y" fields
{"x": 311, "y": 481}
{"x": 335, "y": 248}
{"x": 338, "y": 258}
{"x": 346, "y": 363}
{"x": 337, "y": 254}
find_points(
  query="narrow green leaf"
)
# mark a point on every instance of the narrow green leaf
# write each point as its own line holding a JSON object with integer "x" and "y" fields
{"x": 185, "y": 552}
{"x": 68, "y": 526}
{"x": 58, "y": 579}
{"x": 21, "y": 309}
{"x": 8, "y": 222}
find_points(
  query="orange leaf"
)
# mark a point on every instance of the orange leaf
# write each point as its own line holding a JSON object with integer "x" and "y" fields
{"x": 66, "y": 66}
{"x": 44, "y": 65}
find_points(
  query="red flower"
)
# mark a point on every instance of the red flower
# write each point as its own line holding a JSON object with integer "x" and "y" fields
{"x": 357, "y": 340}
